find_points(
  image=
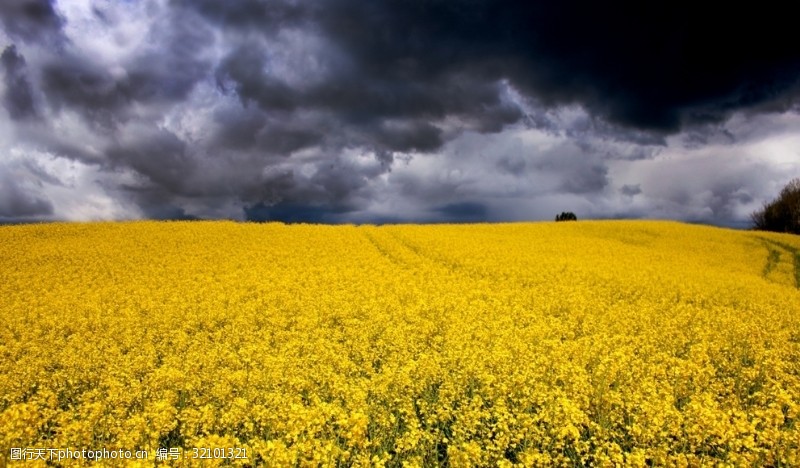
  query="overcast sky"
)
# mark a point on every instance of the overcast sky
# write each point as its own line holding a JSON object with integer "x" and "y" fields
{"x": 394, "y": 110}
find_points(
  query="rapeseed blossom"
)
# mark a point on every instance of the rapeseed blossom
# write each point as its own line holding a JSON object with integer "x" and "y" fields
{"x": 529, "y": 344}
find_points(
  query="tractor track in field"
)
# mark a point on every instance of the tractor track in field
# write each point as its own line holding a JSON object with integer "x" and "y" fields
{"x": 426, "y": 256}
{"x": 774, "y": 249}
{"x": 396, "y": 250}
{"x": 394, "y": 259}
{"x": 383, "y": 240}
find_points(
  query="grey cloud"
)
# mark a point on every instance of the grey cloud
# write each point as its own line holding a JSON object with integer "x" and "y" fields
{"x": 243, "y": 71}
{"x": 77, "y": 83}
{"x": 368, "y": 103}
{"x": 699, "y": 189}
{"x": 292, "y": 213}
{"x": 463, "y": 211}
{"x": 514, "y": 164}
{"x": 579, "y": 169}
{"x": 720, "y": 200}
{"x": 409, "y": 137}
{"x": 631, "y": 190}
{"x": 588, "y": 127}
{"x": 158, "y": 76}
{"x": 272, "y": 187}
{"x": 18, "y": 203}
{"x": 31, "y": 20}
{"x": 158, "y": 155}
{"x": 41, "y": 175}
{"x": 252, "y": 129}
{"x": 586, "y": 179}
{"x": 259, "y": 15}
{"x": 296, "y": 110}
{"x": 169, "y": 72}
{"x": 18, "y": 96}
{"x": 423, "y": 189}
{"x": 332, "y": 192}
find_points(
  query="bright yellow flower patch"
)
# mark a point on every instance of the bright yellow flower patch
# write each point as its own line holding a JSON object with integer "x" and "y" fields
{"x": 602, "y": 343}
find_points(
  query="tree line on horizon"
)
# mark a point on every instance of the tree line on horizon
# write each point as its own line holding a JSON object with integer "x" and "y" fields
{"x": 781, "y": 214}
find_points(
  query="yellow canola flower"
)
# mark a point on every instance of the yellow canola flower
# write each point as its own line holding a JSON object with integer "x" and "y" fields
{"x": 624, "y": 343}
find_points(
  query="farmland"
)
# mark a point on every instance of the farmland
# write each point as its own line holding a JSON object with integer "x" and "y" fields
{"x": 630, "y": 342}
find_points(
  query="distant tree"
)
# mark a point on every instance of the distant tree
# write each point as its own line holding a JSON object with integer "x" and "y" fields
{"x": 566, "y": 216}
{"x": 781, "y": 214}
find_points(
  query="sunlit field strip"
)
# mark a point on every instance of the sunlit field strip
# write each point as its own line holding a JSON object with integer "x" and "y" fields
{"x": 463, "y": 345}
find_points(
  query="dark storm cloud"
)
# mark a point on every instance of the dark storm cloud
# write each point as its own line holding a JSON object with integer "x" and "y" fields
{"x": 410, "y": 137}
{"x": 169, "y": 72}
{"x": 78, "y": 83}
{"x": 259, "y": 15}
{"x": 159, "y": 210}
{"x": 638, "y": 65}
{"x": 463, "y": 211}
{"x": 251, "y": 129}
{"x": 362, "y": 98}
{"x": 18, "y": 96}
{"x": 336, "y": 189}
{"x": 244, "y": 70}
{"x": 389, "y": 113}
{"x": 158, "y": 76}
{"x": 31, "y": 20}
{"x": 158, "y": 155}
{"x": 304, "y": 110}
{"x": 291, "y": 213}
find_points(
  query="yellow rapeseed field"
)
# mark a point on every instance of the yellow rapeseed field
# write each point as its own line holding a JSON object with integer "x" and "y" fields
{"x": 527, "y": 344}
